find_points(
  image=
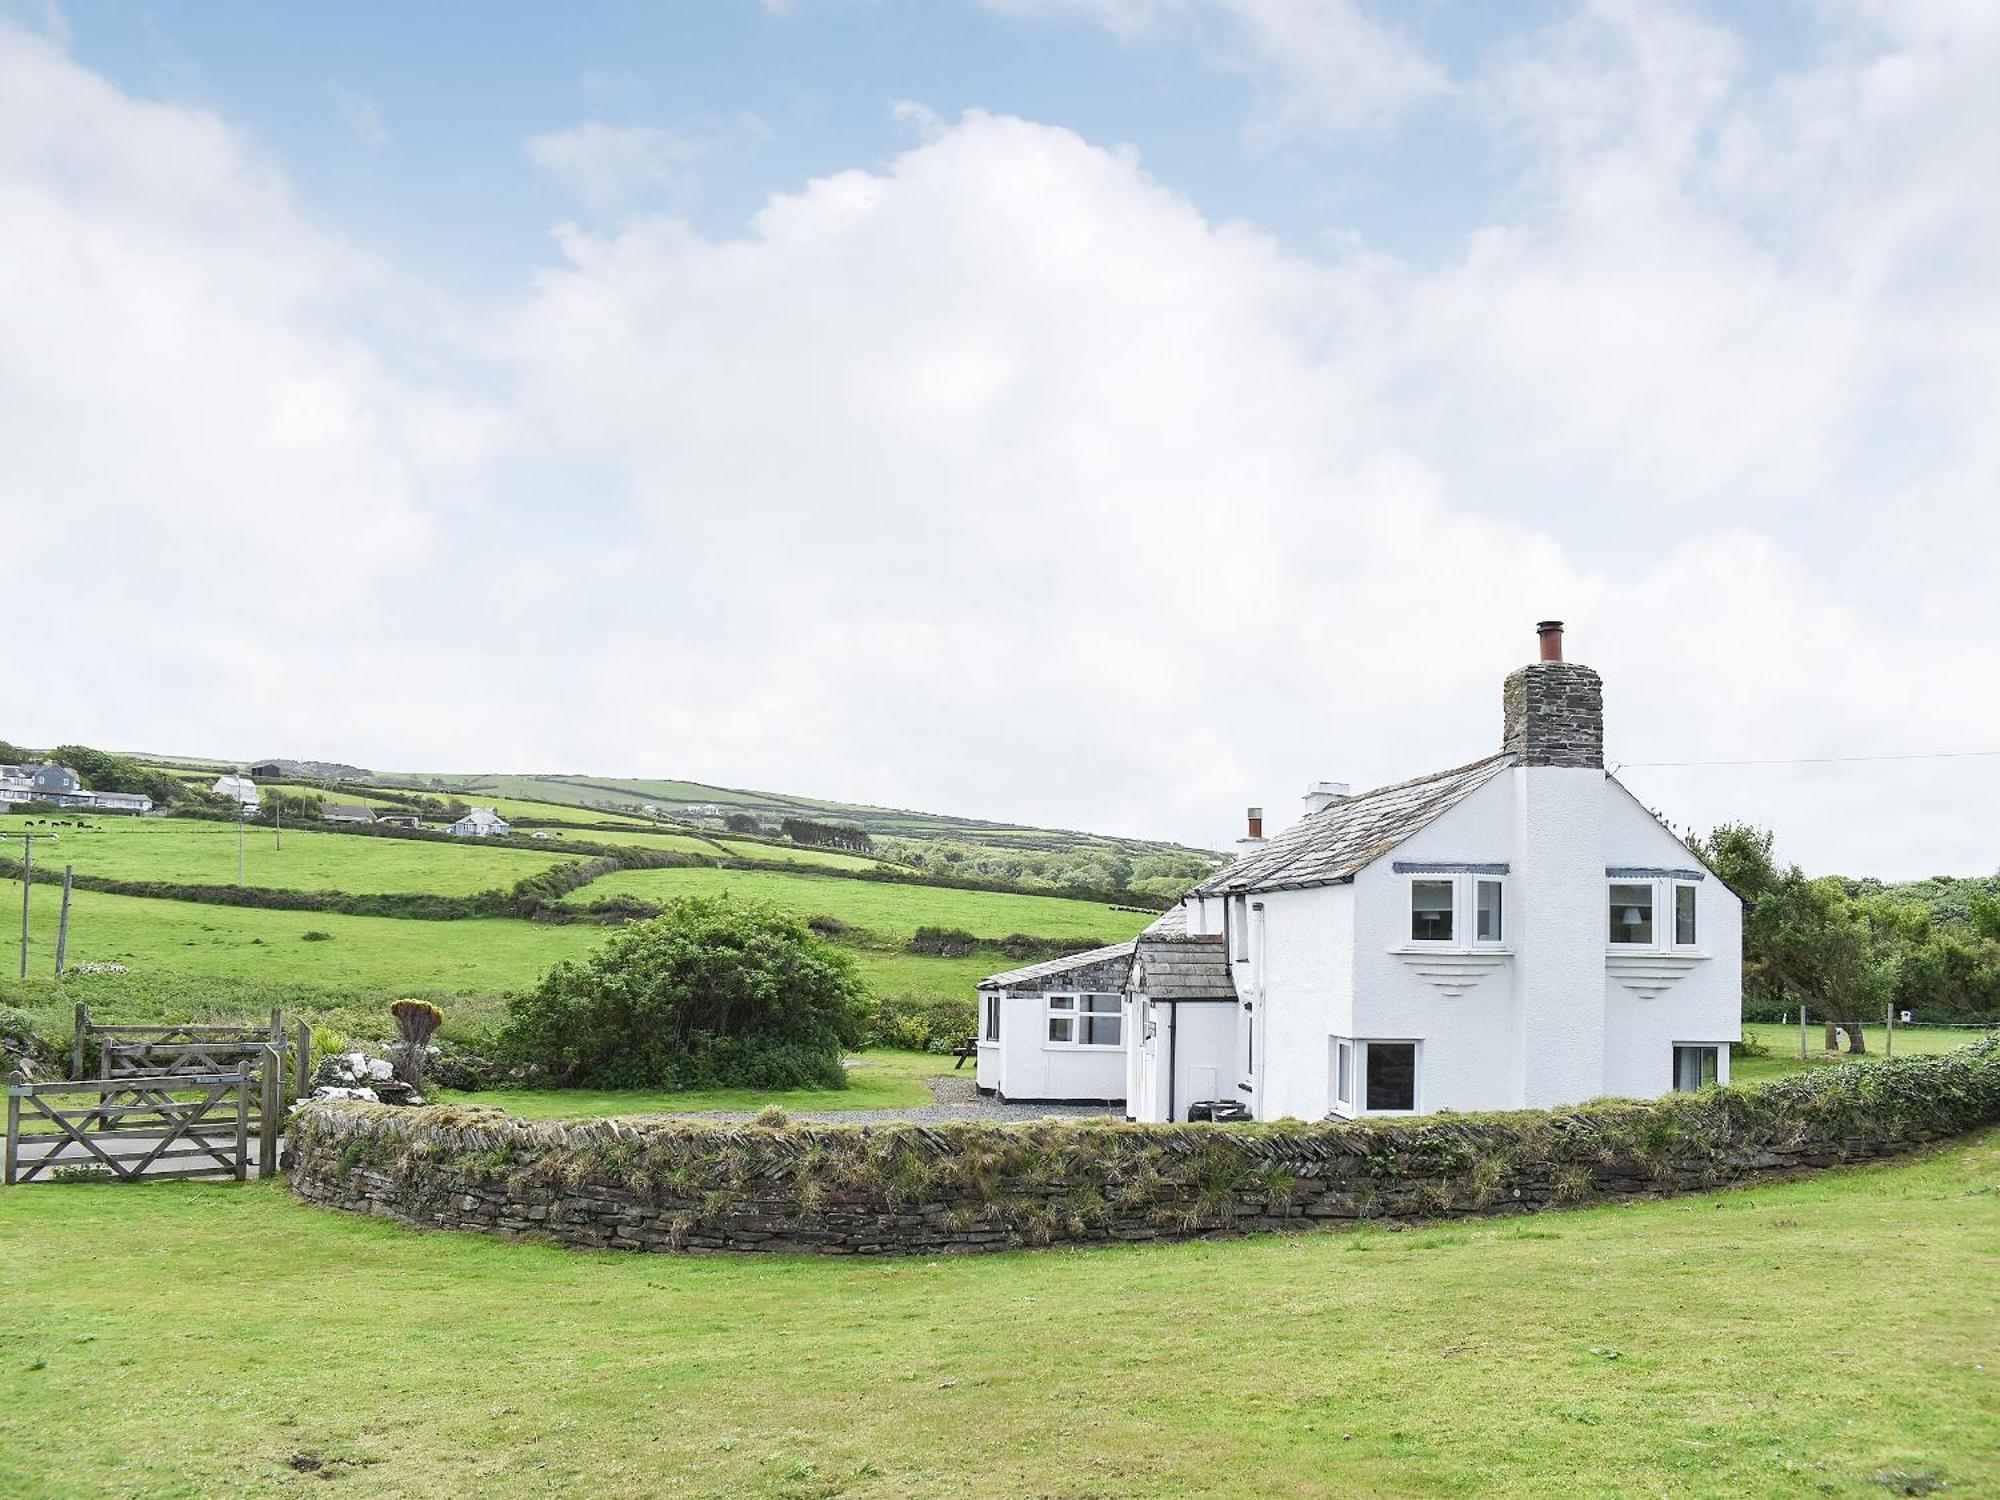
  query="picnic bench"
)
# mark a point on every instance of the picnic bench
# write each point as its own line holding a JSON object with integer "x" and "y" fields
{"x": 967, "y": 1049}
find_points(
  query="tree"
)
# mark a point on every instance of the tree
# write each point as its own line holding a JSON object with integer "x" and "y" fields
{"x": 709, "y": 993}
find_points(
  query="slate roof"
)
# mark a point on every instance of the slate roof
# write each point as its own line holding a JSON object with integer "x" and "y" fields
{"x": 1182, "y": 968}
{"x": 1049, "y": 969}
{"x": 1330, "y": 846}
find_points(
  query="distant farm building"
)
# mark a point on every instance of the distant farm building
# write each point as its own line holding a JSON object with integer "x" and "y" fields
{"x": 481, "y": 823}
{"x": 346, "y": 812}
{"x": 703, "y": 810}
{"x": 241, "y": 790}
{"x": 400, "y": 820}
{"x": 267, "y": 770}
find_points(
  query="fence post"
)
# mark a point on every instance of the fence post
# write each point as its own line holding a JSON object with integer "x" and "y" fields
{"x": 269, "y": 1110}
{"x": 242, "y": 1119}
{"x": 62, "y": 923}
{"x": 1802, "y": 1033}
{"x": 13, "y": 1126}
{"x": 1889, "y": 1038}
{"x": 76, "y": 1042}
{"x": 302, "y": 1064}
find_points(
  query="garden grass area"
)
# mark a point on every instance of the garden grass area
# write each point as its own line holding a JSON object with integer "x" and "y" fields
{"x": 190, "y": 851}
{"x": 796, "y": 854}
{"x": 883, "y": 908}
{"x": 875, "y": 1080}
{"x": 644, "y": 838}
{"x": 1911, "y": 1041}
{"x": 1826, "y": 1337}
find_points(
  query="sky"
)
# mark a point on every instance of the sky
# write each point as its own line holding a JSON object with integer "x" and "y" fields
{"x": 1095, "y": 413}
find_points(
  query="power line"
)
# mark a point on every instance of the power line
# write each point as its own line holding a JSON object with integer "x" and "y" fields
{"x": 1807, "y": 760}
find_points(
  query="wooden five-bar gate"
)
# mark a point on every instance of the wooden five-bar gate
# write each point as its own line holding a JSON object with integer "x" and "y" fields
{"x": 168, "y": 1101}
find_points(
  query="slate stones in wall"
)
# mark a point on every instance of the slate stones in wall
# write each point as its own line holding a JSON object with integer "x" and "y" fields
{"x": 1553, "y": 715}
{"x": 888, "y": 1190}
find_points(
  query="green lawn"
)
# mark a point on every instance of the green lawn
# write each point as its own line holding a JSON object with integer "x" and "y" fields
{"x": 883, "y": 908}
{"x": 796, "y": 855}
{"x": 1831, "y": 1337}
{"x": 876, "y": 1080}
{"x": 194, "y": 852}
{"x": 1911, "y": 1041}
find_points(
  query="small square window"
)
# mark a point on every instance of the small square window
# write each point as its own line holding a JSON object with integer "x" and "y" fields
{"x": 1062, "y": 1002}
{"x": 1103, "y": 1021}
{"x": 1684, "y": 916}
{"x": 1488, "y": 926}
{"x": 1430, "y": 911}
{"x": 1632, "y": 914}
{"x": 1392, "y": 1075}
{"x": 1059, "y": 1028}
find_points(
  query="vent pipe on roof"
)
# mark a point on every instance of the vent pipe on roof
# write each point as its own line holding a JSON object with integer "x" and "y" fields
{"x": 1550, "y": 633}
{"x": 1254, "y": 839}
{"x": 1323, "y": 794}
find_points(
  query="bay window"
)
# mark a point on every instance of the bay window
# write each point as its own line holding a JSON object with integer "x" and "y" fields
{"x": 1488, "y": 926}
{"x": 1683, "y": 916}
{"x": 1695, "y": 1066}
{"x": 1459, "y": 907}
{"x": 1659, "y": 913}
{"x": 1391, "y": 1072}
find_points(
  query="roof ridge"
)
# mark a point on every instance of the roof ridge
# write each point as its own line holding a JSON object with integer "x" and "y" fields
{"x": 1404, "y": 786}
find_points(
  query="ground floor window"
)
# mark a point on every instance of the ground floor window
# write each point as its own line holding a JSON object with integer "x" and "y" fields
{"x": 1343, "y": 1073}
{"x": 1695, "y": 1067}
{"x": 1087, "y": 1020}
{"x": 1392, "y": 1075}
{"x": 990, "y": 1027}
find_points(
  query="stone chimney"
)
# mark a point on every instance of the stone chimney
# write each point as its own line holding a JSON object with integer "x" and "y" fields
{"x": 1323, "y": 794}
{"x": 1553, "y": 710}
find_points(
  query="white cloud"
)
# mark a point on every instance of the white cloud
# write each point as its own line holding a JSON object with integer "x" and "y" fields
{"x": 1318, "y": 66}
{"x": 999, "y": 480}
{"x": 619, "y": 166}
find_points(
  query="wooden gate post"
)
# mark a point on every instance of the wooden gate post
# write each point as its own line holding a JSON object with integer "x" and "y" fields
{"x": 302, "y": 1064}
{"x": 76, "y": 1042}
{"x": 242, "y": 1118}
{"x": 13, "y": 1127}
{"x": 269, "y": 1111}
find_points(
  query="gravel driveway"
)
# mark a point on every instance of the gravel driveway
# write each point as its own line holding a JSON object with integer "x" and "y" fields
{"x": 957, "y": 1098}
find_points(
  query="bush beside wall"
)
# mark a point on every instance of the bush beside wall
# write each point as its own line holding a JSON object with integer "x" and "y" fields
{"x": 930, "y": 1190}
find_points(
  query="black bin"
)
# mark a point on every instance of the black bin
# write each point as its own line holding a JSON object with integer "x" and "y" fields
{"x": 1220, "y": 1111}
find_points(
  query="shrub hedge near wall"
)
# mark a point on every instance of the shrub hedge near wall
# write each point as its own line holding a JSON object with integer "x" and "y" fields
{"x": 929, "y": 1190}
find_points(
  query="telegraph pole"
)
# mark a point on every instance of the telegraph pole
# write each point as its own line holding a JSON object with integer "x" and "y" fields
{"x": 242, "y": 818}
{"x": 62, "y": 922}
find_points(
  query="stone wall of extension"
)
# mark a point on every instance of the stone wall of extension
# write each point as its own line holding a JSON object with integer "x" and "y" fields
{"x": 906, "y": 1189}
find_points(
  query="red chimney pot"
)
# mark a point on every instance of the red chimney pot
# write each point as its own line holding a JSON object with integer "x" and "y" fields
{"x": 1256, "y": 823}
{"x": 1551, "y": 634}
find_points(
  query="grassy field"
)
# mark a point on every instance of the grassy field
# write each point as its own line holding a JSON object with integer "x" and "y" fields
{"x": 1911, "y": 1041}
{"x": 1831, "y": 1337}
{"x": 194, "y": 852}
{"x": 885, "y": 909}
{"x": 876, "y": 1080}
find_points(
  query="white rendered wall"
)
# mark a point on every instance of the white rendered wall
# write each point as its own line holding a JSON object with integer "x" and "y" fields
{"x": 1031, "y": 1067}
{"x": 1305, "y": 968}
{"x": 1705, "y": 1003}
{"x": 1468, "y": 1058}
{"x": 1559, "y": 893}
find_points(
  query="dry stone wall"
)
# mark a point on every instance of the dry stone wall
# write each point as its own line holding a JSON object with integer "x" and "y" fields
{"x": 884, "y": 1190}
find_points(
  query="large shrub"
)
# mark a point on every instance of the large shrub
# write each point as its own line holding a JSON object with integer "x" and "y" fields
{"x": 709, "y": 993}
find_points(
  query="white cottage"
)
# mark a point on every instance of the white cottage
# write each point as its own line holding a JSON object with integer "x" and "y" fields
{"x": 1519, "y": 932}
{"x": 241, "y": 790}
{"x": 480, "y": 823}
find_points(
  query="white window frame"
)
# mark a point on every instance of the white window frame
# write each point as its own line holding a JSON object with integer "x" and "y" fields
{"x": 1674, "y": 889}
{"x": 1652, "y": 887}
{"x": 1069, "y": 1007}
{"x": 1450, "y": 883}
{"x": 1464, "y": 914}
{"x": 1721, "y": 1051}
{"x": 1345, "y": 1051}
{"x": 1416, "y": 1046}
{"x": 989, "y": 1020}
{"x": 1666, "y": 891}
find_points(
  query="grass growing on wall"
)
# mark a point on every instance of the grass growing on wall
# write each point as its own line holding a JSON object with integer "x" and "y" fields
{"x": 1831, "y": 1337}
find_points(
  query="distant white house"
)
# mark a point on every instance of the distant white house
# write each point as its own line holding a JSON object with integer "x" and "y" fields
{"x": 62, "y": 786}
{"x": 703, "y": 810}
{"x": 240, "y": 790}
{"x": 481, "y": 823}
{"x": 1518, "y": 932}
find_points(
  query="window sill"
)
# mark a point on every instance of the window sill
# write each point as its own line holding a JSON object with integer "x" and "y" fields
{"x": 1459, "y": 950}
{"x": 1641, "y": 950}
{"x": 1083, "y": 1047}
